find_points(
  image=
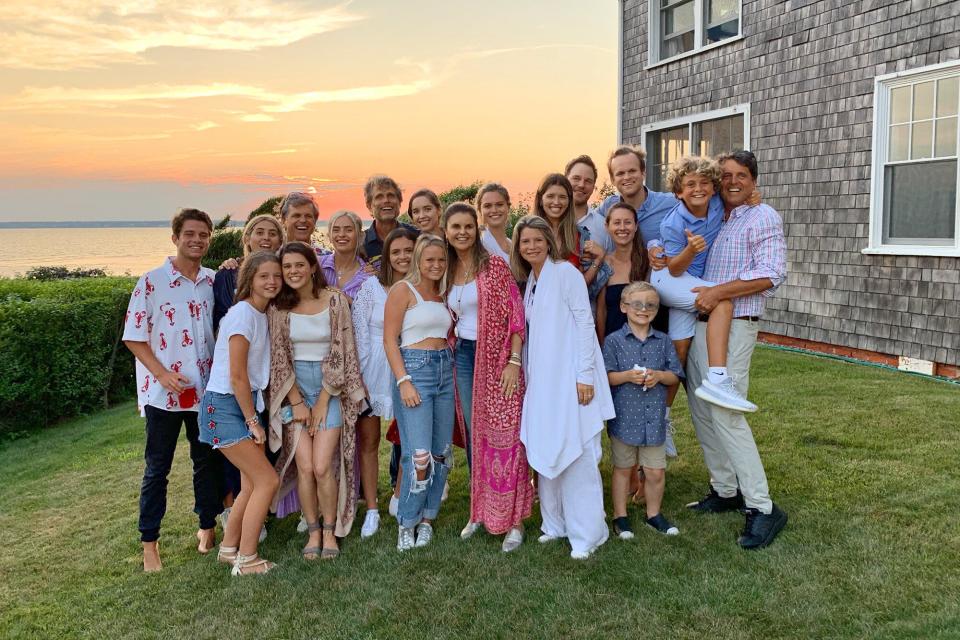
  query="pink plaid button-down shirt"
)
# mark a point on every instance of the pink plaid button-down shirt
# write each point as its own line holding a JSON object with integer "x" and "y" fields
{"x": 750, "y": 246}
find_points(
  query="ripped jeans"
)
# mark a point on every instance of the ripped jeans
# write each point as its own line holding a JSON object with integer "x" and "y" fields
{"x": 426, "y": 432}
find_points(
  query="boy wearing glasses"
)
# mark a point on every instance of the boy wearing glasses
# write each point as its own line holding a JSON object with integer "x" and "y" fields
{"x": 641, "y": 363}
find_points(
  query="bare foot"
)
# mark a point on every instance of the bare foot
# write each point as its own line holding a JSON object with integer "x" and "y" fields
{"x": 207, "y": 539}
{"x": 151, "y": 557}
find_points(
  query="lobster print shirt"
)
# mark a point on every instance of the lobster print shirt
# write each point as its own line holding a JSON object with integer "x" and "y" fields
{"x": 174, "y": 315}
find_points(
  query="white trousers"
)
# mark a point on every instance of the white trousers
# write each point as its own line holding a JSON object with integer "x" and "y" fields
{"x": 729, "y": 450}
{"x": 571, "y": 504}
{"x": 675, "y": 293}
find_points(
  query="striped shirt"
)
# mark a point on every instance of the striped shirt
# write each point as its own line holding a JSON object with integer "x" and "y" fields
{"x": 750, "y": 246}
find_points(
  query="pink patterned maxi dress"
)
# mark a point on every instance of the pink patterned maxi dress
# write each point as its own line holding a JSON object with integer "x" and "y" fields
{"x": 501, "y": 494}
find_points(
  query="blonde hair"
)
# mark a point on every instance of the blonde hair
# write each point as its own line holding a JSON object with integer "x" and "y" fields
{"x": 693, "y": 165}
{"x": 426, "y": 240}
{"x": 357, "y": 224}
{"x": 518, "y": 264}
{"x": 254, "y": 221}
{"x": 638, "y": 287}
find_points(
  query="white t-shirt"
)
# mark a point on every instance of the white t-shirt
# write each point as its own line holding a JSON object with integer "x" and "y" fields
{"x": 492, "y": 246}
{"x": 244, "y": 320}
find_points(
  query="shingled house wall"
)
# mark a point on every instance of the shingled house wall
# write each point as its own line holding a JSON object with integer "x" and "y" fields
{"x": 807, "y": 69}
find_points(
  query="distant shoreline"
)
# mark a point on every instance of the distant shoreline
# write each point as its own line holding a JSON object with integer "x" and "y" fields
{"x": 84, "y": 224}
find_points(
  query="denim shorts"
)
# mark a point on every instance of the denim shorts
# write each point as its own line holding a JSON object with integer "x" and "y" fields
{"x": 309, "y": 375}
{"x": 221, "y": 420}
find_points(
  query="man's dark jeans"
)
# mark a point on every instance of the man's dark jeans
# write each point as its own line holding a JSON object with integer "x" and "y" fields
{"x": 163, "y": 431}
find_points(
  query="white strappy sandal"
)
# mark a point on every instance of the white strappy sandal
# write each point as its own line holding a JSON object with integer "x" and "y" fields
{"x": 251, "y": 562}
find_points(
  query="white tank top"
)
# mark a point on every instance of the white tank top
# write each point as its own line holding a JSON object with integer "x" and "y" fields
{"x": 310, "y": 335}
{"x": 424, "y": 320}
{"x": 465, "y": 305}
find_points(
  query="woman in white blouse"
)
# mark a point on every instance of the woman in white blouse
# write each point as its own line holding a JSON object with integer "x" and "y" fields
{"x": 368, "y": 324}
{"x": 493, "y": 205}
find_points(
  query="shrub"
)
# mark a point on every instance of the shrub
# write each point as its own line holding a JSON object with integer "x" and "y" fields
{"x": 62, "y": 273}
{"x": 226, "y": 243}
{"x": 62, "y": 353}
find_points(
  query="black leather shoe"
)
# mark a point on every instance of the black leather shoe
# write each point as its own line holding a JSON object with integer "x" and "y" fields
{"x": 713, "y": 503}
{"x": 761, "y": 528}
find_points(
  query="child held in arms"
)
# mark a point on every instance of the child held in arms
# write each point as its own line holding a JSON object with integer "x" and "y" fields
{"x": 641, "y": 363}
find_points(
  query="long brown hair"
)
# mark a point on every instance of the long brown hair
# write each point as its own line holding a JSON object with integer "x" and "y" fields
{"x": 480, "y": 254}
{"x": 288, "y": 297}
{"x": 639, "y": 262}
{"x": 249, "y": 269}
{"x": 567, "y": 233}
{"x": 387, "y": 276}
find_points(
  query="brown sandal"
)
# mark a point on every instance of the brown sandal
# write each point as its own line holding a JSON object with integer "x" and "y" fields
{"x": 327, "y": 553}
{"x": 315, "y": 552}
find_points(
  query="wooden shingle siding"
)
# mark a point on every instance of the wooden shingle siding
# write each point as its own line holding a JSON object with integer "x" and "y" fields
{"x": 807, "y": 69}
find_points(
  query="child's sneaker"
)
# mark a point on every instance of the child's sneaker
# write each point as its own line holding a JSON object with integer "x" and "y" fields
{"x": 663, "y": 525}
{"x": 622, "y": 528}
{"x": 724, "y": 394}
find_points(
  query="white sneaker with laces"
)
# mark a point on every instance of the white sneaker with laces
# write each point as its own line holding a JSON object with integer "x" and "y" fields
{"x": 371, "y": 523}
{"x": 579, "y": 555}
{"x": 424, "y": 534}
{"x": 405, "y": 540}
{"x": 468, "y": 531}
{"x": 726, "y": 395}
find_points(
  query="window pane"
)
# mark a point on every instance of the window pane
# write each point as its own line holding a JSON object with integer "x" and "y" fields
{"x": 677, "y": 45}
{"x": 678, "y": 19}
{"x": 920, "y": 203}
{"x": 946, "y": 140}
{"x": 721, "y": 19}
{"x": 947, "y": 96}
{"x": 899, "y": 142}
{"x": 923, "y": 100}
{"x": 721, "y": 10}
{"x": 921, "y": 143}
{"x": 664, "y": 148}
{"x": 719, "y": 136}
{"x": 899, "y": 105}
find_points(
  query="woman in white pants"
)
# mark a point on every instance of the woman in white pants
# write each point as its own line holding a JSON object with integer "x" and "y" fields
{"x": 567, "y": 397}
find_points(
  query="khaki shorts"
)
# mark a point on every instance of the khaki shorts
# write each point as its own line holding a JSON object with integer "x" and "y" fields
{"x": 627, "y": 455}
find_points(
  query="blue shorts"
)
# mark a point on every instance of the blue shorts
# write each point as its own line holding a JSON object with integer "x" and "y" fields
{"x": 221, "y": 420}
{"x": 309, "y": 374}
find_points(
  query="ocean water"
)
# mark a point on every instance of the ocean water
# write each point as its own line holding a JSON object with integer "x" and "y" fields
{"x": 118, "y": 250}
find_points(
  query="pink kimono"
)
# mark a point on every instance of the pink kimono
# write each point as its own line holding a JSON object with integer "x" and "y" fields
{"x": 501, "y": 494}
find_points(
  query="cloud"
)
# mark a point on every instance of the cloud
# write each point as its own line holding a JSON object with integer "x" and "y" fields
{"x": 70, "y": 34}
{"x": 257, "y": 117}
{"x": 203, "y": 126}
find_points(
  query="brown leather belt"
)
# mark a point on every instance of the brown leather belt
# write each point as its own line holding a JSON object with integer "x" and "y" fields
{"x": 704, "y": 317}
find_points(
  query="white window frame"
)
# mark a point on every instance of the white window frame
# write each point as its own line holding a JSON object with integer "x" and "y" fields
{"x": 653, "y": 34}
{"x": 881, "y": 115}
{"x": 696, "y": 118}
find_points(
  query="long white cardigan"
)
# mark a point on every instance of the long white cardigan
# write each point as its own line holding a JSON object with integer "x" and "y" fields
{"x": 561, "y": 350}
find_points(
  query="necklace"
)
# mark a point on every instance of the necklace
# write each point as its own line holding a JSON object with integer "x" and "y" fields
{"x": 341, "y": 271}
{"x": 467, "y": 272}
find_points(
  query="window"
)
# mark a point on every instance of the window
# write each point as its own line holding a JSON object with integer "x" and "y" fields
{"x": 706, "y": 134}
{"x": 681, "y": 27}
{"x": 914, "y": 205}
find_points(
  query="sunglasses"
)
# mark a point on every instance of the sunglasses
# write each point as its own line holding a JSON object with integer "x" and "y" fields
{"x": 643, "y": 306}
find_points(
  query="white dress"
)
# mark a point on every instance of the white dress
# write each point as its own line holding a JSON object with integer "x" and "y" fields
{"x": 368, "y": 324}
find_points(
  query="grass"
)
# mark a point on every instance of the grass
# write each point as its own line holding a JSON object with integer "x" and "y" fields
{"x": 863, "y": 460}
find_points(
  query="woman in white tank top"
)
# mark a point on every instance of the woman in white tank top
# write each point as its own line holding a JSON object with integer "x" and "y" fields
{"x": 493, "y": 205}
{"x": 415, "y": 328}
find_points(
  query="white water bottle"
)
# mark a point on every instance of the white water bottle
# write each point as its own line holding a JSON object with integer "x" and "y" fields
{"x": 642, "y": 370}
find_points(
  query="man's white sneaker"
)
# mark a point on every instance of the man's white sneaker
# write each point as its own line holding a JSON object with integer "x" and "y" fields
{"x": 468, "y": 531}
{"x": 394, "y": 507}
{"x": 726, "y": 395}
{"x": 546, "y": 537}
{"x": 371, "y": 523}
{"x": 579, "y": 555}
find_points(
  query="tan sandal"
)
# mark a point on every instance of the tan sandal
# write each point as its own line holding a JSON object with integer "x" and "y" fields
{"x": 315, "y": 552}
{"x": 327, "y": 553}
{"x": 251, "y": 562}
{"x": 227, "y": 555}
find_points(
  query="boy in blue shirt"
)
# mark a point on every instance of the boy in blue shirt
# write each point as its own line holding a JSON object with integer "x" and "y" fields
{"x": 641, "y": 363}
{"x": 687, "y": 232}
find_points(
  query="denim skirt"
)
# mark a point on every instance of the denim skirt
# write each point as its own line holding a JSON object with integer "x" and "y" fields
{"x": 221, "y": 420}
{"x": 309, "y": 375}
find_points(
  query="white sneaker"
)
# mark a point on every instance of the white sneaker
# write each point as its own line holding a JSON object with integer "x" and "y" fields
{"x": 446, "y": 490}
{"x": 512, "y": 541}
{"x": 405, "y": 540}
{"x": 224, "y": 516}
{"x": 394, "y": 507}
{"x": 471, "y": 528}
{"x": 669, "y": 447}
{"x": 579, "y": 555}
{"x": 263, "y": 533}
{"x": 371, "y": 523}
{"x": 302, "y": 525}
{"x": 726, "y": 395}
{"x": 546, "y": 537}
{"x": 424, "y": 534}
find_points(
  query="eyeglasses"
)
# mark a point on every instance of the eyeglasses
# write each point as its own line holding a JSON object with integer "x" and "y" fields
{"x": 643, "y": 306}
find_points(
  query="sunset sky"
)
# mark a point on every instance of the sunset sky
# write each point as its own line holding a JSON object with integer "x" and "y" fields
{"x": 123, "y": 109}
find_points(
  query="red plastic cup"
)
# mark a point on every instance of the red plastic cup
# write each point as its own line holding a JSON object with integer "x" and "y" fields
{"x": 187, "y": 398}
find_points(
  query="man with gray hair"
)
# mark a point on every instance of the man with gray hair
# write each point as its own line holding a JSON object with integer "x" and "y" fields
{"x": 383, "y": 198}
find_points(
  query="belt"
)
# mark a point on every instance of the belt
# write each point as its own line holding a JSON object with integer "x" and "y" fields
{"x": 705, "y": 317}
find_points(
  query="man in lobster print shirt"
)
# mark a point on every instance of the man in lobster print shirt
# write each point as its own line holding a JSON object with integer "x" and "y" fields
{"x": 169, "y": 330}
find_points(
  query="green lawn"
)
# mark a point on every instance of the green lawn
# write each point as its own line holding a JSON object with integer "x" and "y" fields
{"x": 863, "y": 460}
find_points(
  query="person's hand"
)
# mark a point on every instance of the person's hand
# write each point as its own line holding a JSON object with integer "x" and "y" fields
{"x": 584, "y": 393}
{"x": 408, "y": 394}
{"x": 707, "y": 298}
{"x": 301, "y": 413}
{"x": 754, "y": 198}
{"x": 259, "y": 435}
{"x": 509, "y": 380}
{"x": 695, "y": 243}
{"x": 652, "y": 378}
{"x": 173, "y": 381}
{"x": 637, "y": 376}
{"x": 657, "y": 257}
{"x": 318, "y": 415}
{"x": 370, "y": 269}
{"x": 229, "y": 263}
{"x": 593, "y": 250}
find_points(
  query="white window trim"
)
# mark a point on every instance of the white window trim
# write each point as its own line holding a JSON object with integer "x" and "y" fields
{"x": 881, "y": 109}
{"x": 653, "y": 35}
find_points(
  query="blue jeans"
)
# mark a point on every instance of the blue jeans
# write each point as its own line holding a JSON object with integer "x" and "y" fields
{"x": 425, "y": 431}
{"x": 463, "y": 357}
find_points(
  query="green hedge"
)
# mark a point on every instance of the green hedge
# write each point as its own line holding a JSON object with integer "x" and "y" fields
{"x": 61, "y": 347}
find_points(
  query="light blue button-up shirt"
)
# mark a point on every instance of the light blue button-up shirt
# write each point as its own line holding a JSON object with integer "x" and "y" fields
{"x": 651, "y": 212}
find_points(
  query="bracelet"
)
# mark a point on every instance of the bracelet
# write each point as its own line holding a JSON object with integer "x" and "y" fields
{"x": 516, "y": 361}
{"x": 296, "y": 403}
{"x": 514, "y": 354}
{"x": 404, "y": 379}
{"x": 252, "y": 422}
